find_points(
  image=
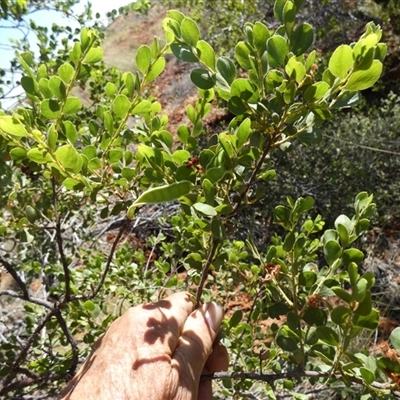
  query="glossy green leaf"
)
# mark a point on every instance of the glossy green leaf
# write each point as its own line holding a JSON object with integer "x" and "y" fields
{"x": 190, "y": 31}
{"x": 395, "y": 338}
{"x": 352, "y": 255}
{"x": 121, "y": 106}
{"x": 57, "y": 87}
{"x": 44, "y": 88}
{"x": 205, "y": 209}
{"x": 243, "y": 89}
{"x": 288, "y": 16}
{"x": 184, "y": 53}
{"x": 327, "y": 335}
{"x": 342, "y": 294}
{"x": 369, "y": 321}
{"x": 18, "y": 153}
{"x": 206, "y": 54}
{"x": 29, "y": 85}
{"x": 70, "y": 131}
{"x": 340, "y": 315}
{"x": 316, "y": 91}
{"x": 243, "y": 132}
{"x": 94, "y": 55}
{"x": 13, "y": 126}
{"x": 69, "y": 158}
{"x": 367, "y": 375}
{"x": 332, "y": 251}
{"x": 203, "y": 78}
{"x": 215, "y": 174}
{"x": 143, "y": 58}
{"x": 364, "y": 79}
{"x": 76, "y": 52}
{"x": 164, "y": 194}
{"x": 156, "y": 69}
{"x": 226, "y": 68}
{"x": 341, "y": 61}
{"x": 365, "y": 306}
{"x": 209, "y": 192}
{"x": 360, "y": 289}
{"x": 278, "y": 9}
{"x": 236, "y": 318}
{"x": 89, "y": 305}
{"x": 301, "y": 39}
{"x": 315, "y": 316}
{"x": 72, "y": 105}
{"x": 277, "y": 51}
{"x": 260, "y": 36}
{"x": 243, "y": 52}
{"x": 143, "y": 107}
{"x": 115, "y": 155}
{"x": 39, "y": 156}
{"x": 295, "y": 69}
{"x": 66, "y": 72}
{"x": 50, "y": 108}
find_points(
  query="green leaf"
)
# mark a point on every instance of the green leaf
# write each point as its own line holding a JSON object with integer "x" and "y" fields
{"x": 50, "y": 108}
{"x": 332, "y": 251}
{"x": 143, "y": 58}
{"x": 369, "y": 321}
{"x": 364, "y": 79}
{"x": 57, "y": 87}
{"x": 89, "y": 305}
{"x": 236, "y": 318}
{"x": 156, "y": 69}
{"x": 365, "y": 307}
{"x": 13, "y": 126}
{"x": 243, "y": 132}
{"x": 209, "y": 192}
{"x": 76, "y": 53}
{"x": 395, "y": 338}
{"x": 301, "y": 39}
{"x": 70, "y": 131}
{"x": 205, "y": 209}
{"x": 347, "y": 99}
{"x": 121, "y": 106}
{"x": 315, "y": 316}
{"x": 288, "y": 16}
{"x": 44, "y": 88}
{"x": 260, "y": 36}
{"x": 243, "y": 89}
{"x": 226, "y": 68}
{"x": 295, "y": 69}
{"x": 72, "y": 105}
{"x": 115, "y": 155}
{"x": 278, "y": 9}
{"x": 215, "y": 174}
{"x": 18, "y": 153}
{"x": 39, "y": 156}
{"x": 367, "y": 375}
{"x": 278, "y": 309}
{"x": 360, "y": 289}
{"x": 327, "y": 335}
{"x": 183, "y": 53}
{"x": 243, "y": 51}
{"x": 352, "y": 255}
{"x": 343, "y": 294}
{"x": 203, "y": 78}
{"x": 316, "y": 91}
{"x": 69, "y": 158}
{"x": 340, "y": 315}
{"x": 190, "y": 31}
{"x": 94, "y": 55}
{"x": 163, "y": 194}
{"x": 206, "y": 54}
{"x": 286, "y": 339}
{"x": 341, "y": 61}
{"x": 66, "y": 72}
{"x": 143, "y": 107}
{"x": 29, "y": 85}
{"x": 277, "y": 51}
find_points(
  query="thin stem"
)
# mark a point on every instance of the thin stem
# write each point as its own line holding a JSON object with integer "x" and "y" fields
{"x": 10, "y": 269}
{"x": 206, "y": 269}
{"x": 60, "y": 245}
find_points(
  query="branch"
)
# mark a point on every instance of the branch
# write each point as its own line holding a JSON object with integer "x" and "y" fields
{"x": 24, "y": 351}
{"x": 34, "y": 300}
{"x": 60, "y": 245}
{"x": 206, "y": 268}
{"x": 71, "y": 341}
{"x": 10, "y": 269}
{"x": 271, "y": 378}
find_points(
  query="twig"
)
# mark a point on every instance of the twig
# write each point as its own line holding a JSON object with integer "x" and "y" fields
{"x": 25, "y": 349}
{"x": 71, "y": 341}
{"x": 206, "y": 268}
{"x": 34, "y": 300}
{"x": 60, "y": 245}
{"x": 10, "y": 269}
{"x": 270, "y": 378}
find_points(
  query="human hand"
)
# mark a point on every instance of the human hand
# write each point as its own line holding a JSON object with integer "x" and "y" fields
{"x": 154, "y": 351}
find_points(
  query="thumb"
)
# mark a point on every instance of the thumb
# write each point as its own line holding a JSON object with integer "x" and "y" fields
{"x": 196, "y": 340}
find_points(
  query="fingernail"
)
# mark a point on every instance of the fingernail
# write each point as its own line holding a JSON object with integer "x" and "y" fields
{"x": 214, "y": 314}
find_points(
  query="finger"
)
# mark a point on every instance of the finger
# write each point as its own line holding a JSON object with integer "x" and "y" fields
{"x": 216, "y": 362}
{"x": 196, "y": 341}
{"x": 156, "y": 327}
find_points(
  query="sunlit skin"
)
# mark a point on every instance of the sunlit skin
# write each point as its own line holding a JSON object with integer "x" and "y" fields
{"x": 156, "y": 351}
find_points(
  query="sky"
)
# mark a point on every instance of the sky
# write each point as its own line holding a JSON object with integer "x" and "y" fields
{"x": 47, "y": 18}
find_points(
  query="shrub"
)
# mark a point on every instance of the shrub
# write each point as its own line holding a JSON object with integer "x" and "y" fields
{"x": 78, "y": 172}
